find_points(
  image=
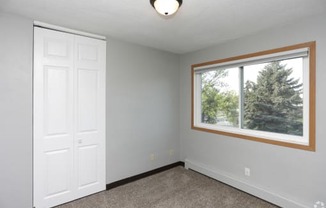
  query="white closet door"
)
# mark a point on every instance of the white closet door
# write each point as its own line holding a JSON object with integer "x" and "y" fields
{"x": 53, "y": 118}
{"x": 90, "y": 115}
{"x": 69, "y": 117}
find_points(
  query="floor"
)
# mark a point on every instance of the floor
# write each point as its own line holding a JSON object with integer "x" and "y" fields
{"x": 174, "y": 188}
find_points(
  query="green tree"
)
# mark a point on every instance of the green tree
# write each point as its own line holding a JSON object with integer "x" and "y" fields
{"x": 229, "y": 106}
{"x": 216, "y": 103}
{"x": 274, "y": 103}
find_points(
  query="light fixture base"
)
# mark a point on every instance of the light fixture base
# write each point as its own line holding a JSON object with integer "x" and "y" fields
{"x": 166, "y": 7}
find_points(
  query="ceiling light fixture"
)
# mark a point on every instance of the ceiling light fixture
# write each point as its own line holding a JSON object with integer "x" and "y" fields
{"x": 166, "y": 7}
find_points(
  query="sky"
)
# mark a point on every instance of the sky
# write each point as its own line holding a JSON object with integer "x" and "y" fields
{"x": 251, "y": 72}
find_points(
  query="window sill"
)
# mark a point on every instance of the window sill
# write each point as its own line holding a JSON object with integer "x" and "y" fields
{"x": 296, "y": 142}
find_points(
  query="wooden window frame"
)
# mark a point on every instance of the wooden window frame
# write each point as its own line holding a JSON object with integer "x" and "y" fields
{"x": 312, "y": 96}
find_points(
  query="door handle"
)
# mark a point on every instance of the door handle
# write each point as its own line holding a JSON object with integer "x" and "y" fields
{"x": 80, "y": 141}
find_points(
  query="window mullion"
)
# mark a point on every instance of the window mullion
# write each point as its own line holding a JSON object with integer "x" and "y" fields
{"x": 241, "y": 98}
{"x": 198, "y": 101}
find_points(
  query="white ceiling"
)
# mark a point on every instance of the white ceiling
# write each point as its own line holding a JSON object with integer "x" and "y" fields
{"x": 198, "y": 23}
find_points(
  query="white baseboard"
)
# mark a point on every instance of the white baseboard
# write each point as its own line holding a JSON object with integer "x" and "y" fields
{"x": 242, "y": 185}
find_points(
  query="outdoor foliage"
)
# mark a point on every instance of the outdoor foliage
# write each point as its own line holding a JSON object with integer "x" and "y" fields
{"x": 217, "y": 104}
{"x": 274, "y": 103}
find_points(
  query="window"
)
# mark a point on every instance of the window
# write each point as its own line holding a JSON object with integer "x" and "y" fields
{"x": 267, "y": 96}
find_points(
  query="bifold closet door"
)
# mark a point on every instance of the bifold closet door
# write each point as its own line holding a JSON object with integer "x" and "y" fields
{"x": 69, "y": 117}
{"x": 89, "y": 110}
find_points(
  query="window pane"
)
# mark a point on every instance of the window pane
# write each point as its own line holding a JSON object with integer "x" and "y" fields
{"x": 220, "y": 97}
{"x": 273, "y": 97}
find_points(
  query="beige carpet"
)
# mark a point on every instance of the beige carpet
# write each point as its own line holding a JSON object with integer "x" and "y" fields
{"x": 174, "y": 188}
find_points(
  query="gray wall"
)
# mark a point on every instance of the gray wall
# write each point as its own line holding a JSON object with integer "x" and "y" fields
{"x": 15, "y": 112}
{"x": 142, "y": 109}
{"x": 294, "y": 174}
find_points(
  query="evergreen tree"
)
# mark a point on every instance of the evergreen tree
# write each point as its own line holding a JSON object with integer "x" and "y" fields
{"x": 274, "y": 103}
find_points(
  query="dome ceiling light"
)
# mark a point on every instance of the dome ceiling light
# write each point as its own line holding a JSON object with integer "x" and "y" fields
{"x": 166, "y": 7}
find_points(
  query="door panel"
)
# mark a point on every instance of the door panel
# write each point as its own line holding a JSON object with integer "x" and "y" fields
{"x": 87, "y": 100}
{"x": 87, "y": 52}
{"x": 90, "y": 124}
{"x": 56, "y": 85}
{"x": 87, "y": 165}
{"x": 57, "y": 172}
{"x": 53, "y": 118}
{"x": 59, "y": 48}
